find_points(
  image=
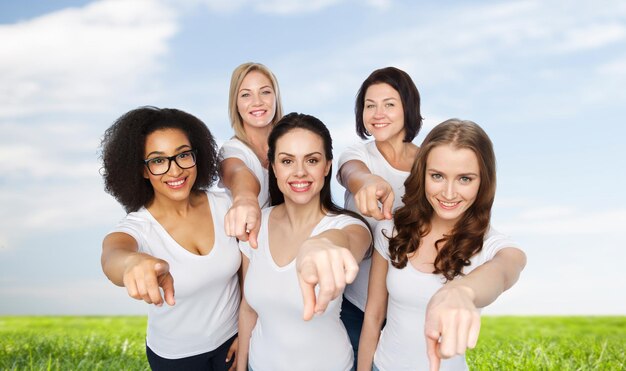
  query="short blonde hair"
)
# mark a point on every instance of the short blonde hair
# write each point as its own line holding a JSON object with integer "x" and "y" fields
{"x": 235, "y": 83}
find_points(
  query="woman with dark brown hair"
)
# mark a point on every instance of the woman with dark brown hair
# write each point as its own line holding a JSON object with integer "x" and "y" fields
{"x": 159, "y": 163}
{"x": 418, "y": 279}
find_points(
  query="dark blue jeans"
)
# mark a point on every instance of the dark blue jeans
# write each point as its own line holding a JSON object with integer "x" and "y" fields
{"x": 352, "y": 318}
{"x": 214, "y": 360}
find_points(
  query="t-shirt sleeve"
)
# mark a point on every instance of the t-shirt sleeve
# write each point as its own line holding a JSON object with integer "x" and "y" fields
{"x": 382, "y": 232}
{"x": 342, "y": 221}
{"x": 339, "y": 221}
{"x": 494, "y": 242}
{"x": 133, "y": 227}
{"x": 356, "y": 151}
{"x": 235, "y": 149}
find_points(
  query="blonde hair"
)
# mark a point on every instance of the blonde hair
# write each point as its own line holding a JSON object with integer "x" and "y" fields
{"x": 235, "y": 83}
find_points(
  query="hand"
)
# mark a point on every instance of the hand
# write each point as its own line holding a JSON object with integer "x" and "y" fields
{"x": 320, "y": 262}
{"x": 452, "y": 324}
{"x": 144, "y": 275}
{"x": 243, "y": 220}
{"x": 375, "y": 189}
{"x": 232, "y": 354}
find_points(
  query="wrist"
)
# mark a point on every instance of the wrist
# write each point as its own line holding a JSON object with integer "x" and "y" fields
{"x": 459, "y": 287}
{"x": 245, "y": 197}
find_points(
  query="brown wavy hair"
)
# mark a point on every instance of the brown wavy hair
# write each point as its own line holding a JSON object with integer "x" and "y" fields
{"x": 413, "y": 220}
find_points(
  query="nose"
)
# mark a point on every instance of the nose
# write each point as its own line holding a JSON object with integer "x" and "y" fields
{"x": 256, "y": 99}
{"x": 174, "y": 169}
{"x": 449, "y": 191}
{"x": 379, "y": 112}
{"x": 300, "y": 170}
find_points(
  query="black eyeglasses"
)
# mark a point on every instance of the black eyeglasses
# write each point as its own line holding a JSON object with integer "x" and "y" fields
{"x": 161, "y": 165}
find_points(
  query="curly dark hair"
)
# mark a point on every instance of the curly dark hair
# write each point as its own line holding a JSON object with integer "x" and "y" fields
{"x": 413, "y": 220}
{"x": 122, "y": 153}
{"x": 410, "y": 96}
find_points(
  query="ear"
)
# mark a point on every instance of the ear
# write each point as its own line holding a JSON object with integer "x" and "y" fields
{"x": 328, "y": 166}
{"x": 145, "y": 172}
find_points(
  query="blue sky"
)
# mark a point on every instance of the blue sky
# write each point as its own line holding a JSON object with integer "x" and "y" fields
{"x": 545, "y": 79}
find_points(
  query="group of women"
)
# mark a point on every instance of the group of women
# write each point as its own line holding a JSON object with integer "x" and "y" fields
{"x": 271, "y": 274}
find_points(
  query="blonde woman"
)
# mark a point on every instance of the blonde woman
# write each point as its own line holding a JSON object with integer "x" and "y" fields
{"x": 254, "y": 107}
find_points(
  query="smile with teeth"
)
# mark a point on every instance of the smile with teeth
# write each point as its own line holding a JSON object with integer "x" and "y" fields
{"x": 300, "y": 186}
{"x": 176, "y": 183}
{"x": 380, "y": 125}
{"x": 258, "y": 113}
{"x": 448, "y": 205}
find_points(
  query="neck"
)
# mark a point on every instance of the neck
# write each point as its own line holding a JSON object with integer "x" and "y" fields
{"x": 167, "y": 207}
{"x": 257, "y": 140}
{"x": 299, "y": 216}
{"x": 395, "y": 151}
{"x": 441, "y": 227}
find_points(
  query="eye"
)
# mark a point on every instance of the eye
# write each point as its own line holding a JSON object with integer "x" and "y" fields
{"x": 465, "y": 179}
{"x": 157, "y": 160}
{"x": 184, "y": 155}
{"x": 436, "y": 176}
{"x": 267, "y": 92}
{"x": 245, "y": 95}
{"x": 369, "y": 106}
{"x": 286, "y": 161}
{"x": 313, "y": 160}
{"x": 389, "y": 105}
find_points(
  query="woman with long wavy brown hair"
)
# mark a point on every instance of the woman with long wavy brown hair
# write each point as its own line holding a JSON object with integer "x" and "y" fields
{"x": 418, "y": 278}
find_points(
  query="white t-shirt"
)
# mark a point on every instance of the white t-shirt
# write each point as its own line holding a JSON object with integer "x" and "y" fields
{"x": 402, "y": 345}
{"x": 206, "y": 286}
{"x": 369, "y": 154}
{"x": 281, "y": 339}
{"x": 234, "y": 148}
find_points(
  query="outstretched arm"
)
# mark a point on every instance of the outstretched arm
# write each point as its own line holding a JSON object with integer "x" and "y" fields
{"x": 375, "y": 312}
{"x": 330, "y": 260}
{"x": 368, "y": 190}
{"x": 243, "y": 219}
{"x": 140, "y": 273}
{"x": 452, "y": 318}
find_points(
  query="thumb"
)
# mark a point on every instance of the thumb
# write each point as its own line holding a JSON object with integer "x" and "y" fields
{"x": 432, "y": 349}
{"x": 388, "y": 205}
{"x": 166, "y": 281}
{"x": 253, "y": 237}
{"x": 161, "y": 268}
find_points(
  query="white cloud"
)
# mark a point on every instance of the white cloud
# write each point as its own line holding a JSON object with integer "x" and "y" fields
{"x": 591, "y": 37}
{"x": 561, "y": 220}
{"x": 285, "y": 7}
{"x": 278, "y": 7}
{"x": 613, "y": 68}
{"x": 41, "y": 208}
{"x": 81, "y": 59}
{"x": 379, "y": 4}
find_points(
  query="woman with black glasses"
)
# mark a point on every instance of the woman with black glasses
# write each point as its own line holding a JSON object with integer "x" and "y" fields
{"x": 171, "y": 247}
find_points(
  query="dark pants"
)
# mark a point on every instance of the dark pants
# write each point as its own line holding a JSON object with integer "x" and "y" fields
{"x": 214, "y": 360}
{"x": 352, "y": 318}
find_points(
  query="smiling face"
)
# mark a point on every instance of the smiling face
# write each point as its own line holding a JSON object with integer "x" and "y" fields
{"x": 256, "y": 100}
{"x": 176, "y": 183}
{"x": 452, "y": 181}
{"x": 383, "y": 113}
{"x": 300, "y": 166}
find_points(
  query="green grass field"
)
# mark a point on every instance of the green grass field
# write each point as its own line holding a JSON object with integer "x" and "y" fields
{"x": 506, "y": 343}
